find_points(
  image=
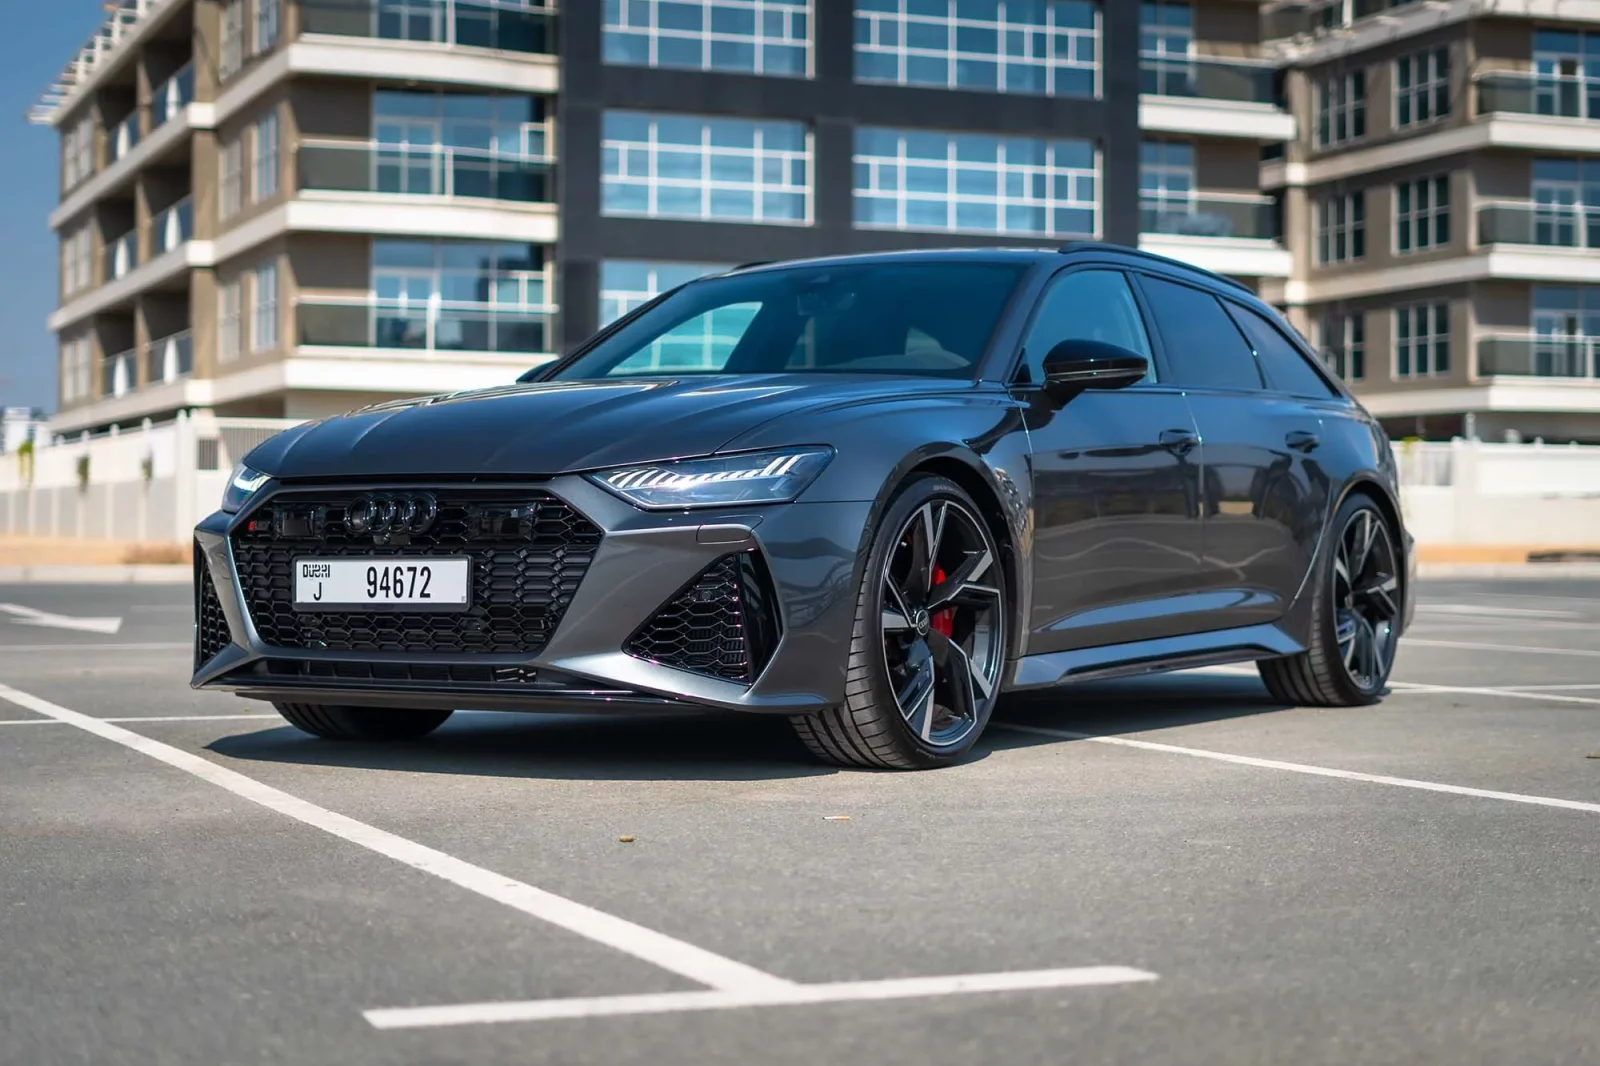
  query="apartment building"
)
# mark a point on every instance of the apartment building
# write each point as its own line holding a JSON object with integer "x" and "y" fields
{"x": 1443, "y": 206}
{"x": 289, "y": 208}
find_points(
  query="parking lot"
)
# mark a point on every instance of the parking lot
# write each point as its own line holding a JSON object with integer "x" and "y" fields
{"x": 1162, "y": 870}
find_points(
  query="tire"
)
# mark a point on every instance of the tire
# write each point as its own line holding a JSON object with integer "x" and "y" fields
{"x": 361, "y": 723}
{"x": 1350, "y": 617}
{"x": 921, "y": 630}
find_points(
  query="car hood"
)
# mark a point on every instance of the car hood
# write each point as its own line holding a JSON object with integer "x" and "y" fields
{"x": 547, "y": 428}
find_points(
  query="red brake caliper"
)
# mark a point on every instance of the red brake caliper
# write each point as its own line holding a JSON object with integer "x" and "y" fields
{"x": 942, "y": 621}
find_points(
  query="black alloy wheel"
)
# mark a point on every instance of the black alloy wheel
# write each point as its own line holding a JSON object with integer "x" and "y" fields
{"x": 929, "y": 645}
{"x": 1356, "y": 615}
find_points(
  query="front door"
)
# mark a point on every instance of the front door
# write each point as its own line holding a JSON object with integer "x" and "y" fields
{"x": 1116, "y": 482}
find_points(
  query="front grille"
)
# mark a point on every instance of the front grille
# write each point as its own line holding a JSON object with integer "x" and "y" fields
{"x": 723, "y": 625}
{"x": 211, "y": 633}
{"x": 529, "y": 552}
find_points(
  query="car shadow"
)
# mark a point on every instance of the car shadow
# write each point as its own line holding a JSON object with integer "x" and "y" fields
{"x": 742, "y": 747}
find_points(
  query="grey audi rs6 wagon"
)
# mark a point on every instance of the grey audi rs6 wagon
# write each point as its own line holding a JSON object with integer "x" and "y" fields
{"x": 871, "y": 494}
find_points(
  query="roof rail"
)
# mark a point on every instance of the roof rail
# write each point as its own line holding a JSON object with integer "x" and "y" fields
{"x": 752, "y": 266}
{"x": 1123, "y": 249}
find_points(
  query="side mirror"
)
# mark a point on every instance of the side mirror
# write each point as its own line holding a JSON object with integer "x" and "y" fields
{"x": 1074, "y": 366}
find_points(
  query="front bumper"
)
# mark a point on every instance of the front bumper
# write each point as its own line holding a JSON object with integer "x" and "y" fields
{"x": 643, "y": 561}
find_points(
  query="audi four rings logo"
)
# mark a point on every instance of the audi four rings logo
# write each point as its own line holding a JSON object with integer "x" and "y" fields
{"x": 387, "y": 516}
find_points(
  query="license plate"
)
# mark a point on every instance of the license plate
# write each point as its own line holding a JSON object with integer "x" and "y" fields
{"x": 440, "y": 584}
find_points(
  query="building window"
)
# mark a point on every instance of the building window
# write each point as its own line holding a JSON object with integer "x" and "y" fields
{"x": 77, "y": 262}
{"x": 1166, "y": 186}
{"x": 1166, "y": 48}
{"x": 434, "y": 143}
{"x": 1422, "y": 340}
{"x": 1342, "y": 228}
{"x": 1421, "y": 87}
{"x": 711, "y": 169}
{"x": 1566, "y": 328}
{"x": 77, "y": 152}
{"x": 457, "y": 296}
{"x": 1341, "y": 109}
{"x": 744, "y": 36}
{"x": 266, "y": 25}
{"x": 1566, "y": 73}
{"x": 1422, "y": 214}
{"x": 264, "y": 308}
{"x": 232, "y": 163}
{"x": 230, "y": 321}
{"x": 231, "y": 54}
{"x": 1344, "y": 345}
{"x": 975, "y": 183}
{"x": 627, "y": 284}
{"x": 1041, "y": 47}
{"x": 264, "y": 176}
{"x": 1566, "y": 203}
{"x": 76, "y": 371}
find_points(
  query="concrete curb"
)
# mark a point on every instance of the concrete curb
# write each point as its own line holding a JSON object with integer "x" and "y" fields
{"x": 141, "y": 574}
{"x": 1557, "y": 571}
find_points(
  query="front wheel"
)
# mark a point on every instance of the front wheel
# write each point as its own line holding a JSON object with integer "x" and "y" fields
{"x": 928, "y": 648}
{"x": 1355, "y": 624}
{"x": 361, "y": 723}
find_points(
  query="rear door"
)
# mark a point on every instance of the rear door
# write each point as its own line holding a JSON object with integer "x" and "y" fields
{"x": 1264, "y": 496}
{"x": 1116, "y": 482}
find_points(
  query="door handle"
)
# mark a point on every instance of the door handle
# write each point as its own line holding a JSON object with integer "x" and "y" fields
{"x": 1303, "y": 440}
{"x": 1179, "y": 441}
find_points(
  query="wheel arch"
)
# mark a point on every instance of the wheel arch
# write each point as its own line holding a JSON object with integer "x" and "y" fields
{"x": 1370, "y": 486}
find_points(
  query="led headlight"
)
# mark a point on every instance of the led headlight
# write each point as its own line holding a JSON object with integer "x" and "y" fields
{"x": 756, "y": 477}
{"x": 241, "y": 486}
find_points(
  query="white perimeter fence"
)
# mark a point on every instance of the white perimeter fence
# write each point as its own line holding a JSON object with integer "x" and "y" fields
{"x": 154, "y": 483}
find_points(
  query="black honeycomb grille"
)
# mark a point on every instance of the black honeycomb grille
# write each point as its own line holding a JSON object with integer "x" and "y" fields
{"x": 211, "y": 633}
{"x": 529, "y": 552}
{"x": 723, "y": 625}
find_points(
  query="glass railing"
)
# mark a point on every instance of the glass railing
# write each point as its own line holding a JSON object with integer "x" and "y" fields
{"x": 119, "y": 374}
{"x": 1540, "y": 356}
{"x": 1208, "y": 78}
{"x": 124, "y": 254}
{"x": 425, "y": 170}
{"x": 1548, "y": 225}
{"x": 1210, "y": 216}
{"x": 168, "y": 359}
{"x": 432, "y": 326}
{"x": 125, "y": 138}
{"x": 172, "y": 227}
{"x": 505, "y": 25}
{"x": 1557, "y": 95}
{"x": 172, "y": 96}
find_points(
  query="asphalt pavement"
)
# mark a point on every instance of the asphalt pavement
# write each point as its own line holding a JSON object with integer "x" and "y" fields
{"x": 1170, "y": 870}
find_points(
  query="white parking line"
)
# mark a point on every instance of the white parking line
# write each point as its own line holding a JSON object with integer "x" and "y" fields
{"x": 1478, "y": 610}
{"x": 89, "y": 645}
{"x": 795, "y": 995}
{"x": 1415, "y": 642}
{"x": 669, "y": 953}
{"x": 154, "y": 718}
{"x": 1302, "y": 768}
{"x": 732, "y": 984}
{"x": 1503, "y": 693}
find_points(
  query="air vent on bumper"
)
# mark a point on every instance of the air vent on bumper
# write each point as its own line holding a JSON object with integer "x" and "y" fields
{"x": 724, "y": 624}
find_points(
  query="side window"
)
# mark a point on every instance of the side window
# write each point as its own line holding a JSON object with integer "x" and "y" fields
{"x": 704, "y": 343}
{"x": 1204, "y": 348}
{"x": 1095, "y": 305}
{"x": 1286, "y": 369}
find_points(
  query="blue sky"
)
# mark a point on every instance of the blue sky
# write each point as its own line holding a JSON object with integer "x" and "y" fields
{"x": 40, "y": 36}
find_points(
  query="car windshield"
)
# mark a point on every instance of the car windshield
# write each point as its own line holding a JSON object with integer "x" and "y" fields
{"x": 930, "y": 318}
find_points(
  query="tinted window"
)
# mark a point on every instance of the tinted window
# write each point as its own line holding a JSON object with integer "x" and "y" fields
{"x": 1204, "y": 348}
{"x": 930, "y": 318}
{"x": 1095, "y": 305}
{"x": 1286, "y": 369}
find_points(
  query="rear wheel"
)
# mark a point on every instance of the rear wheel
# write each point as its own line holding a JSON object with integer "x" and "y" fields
{"x": 929, "y": 644}
{"x": 361, "y": 723}
{"x": 1356, "y": 611}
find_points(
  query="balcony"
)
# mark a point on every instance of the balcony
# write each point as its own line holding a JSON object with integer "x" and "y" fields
{"x": 171, "y": 97}
{"x": 1539, "y": 356}
{"x": 125, "y": 138}
{"x": 168, "y": 359}
{"x": 1542, "y": 225}
{"x": 492, "y": 24}
{"x": 1552, "y": 95}
{"x": 119, "y": 374}
{"x": 123, "y": 255}
{"x": 366, "y": 322}
{"x": 425, "y": 170}
{"x": 1227, "y": 233}
{"x": 1212, "y": 95}
{"x": 172, "y": 227}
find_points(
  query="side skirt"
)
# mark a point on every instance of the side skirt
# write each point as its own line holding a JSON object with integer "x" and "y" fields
{"x": 1243, "y": 644}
